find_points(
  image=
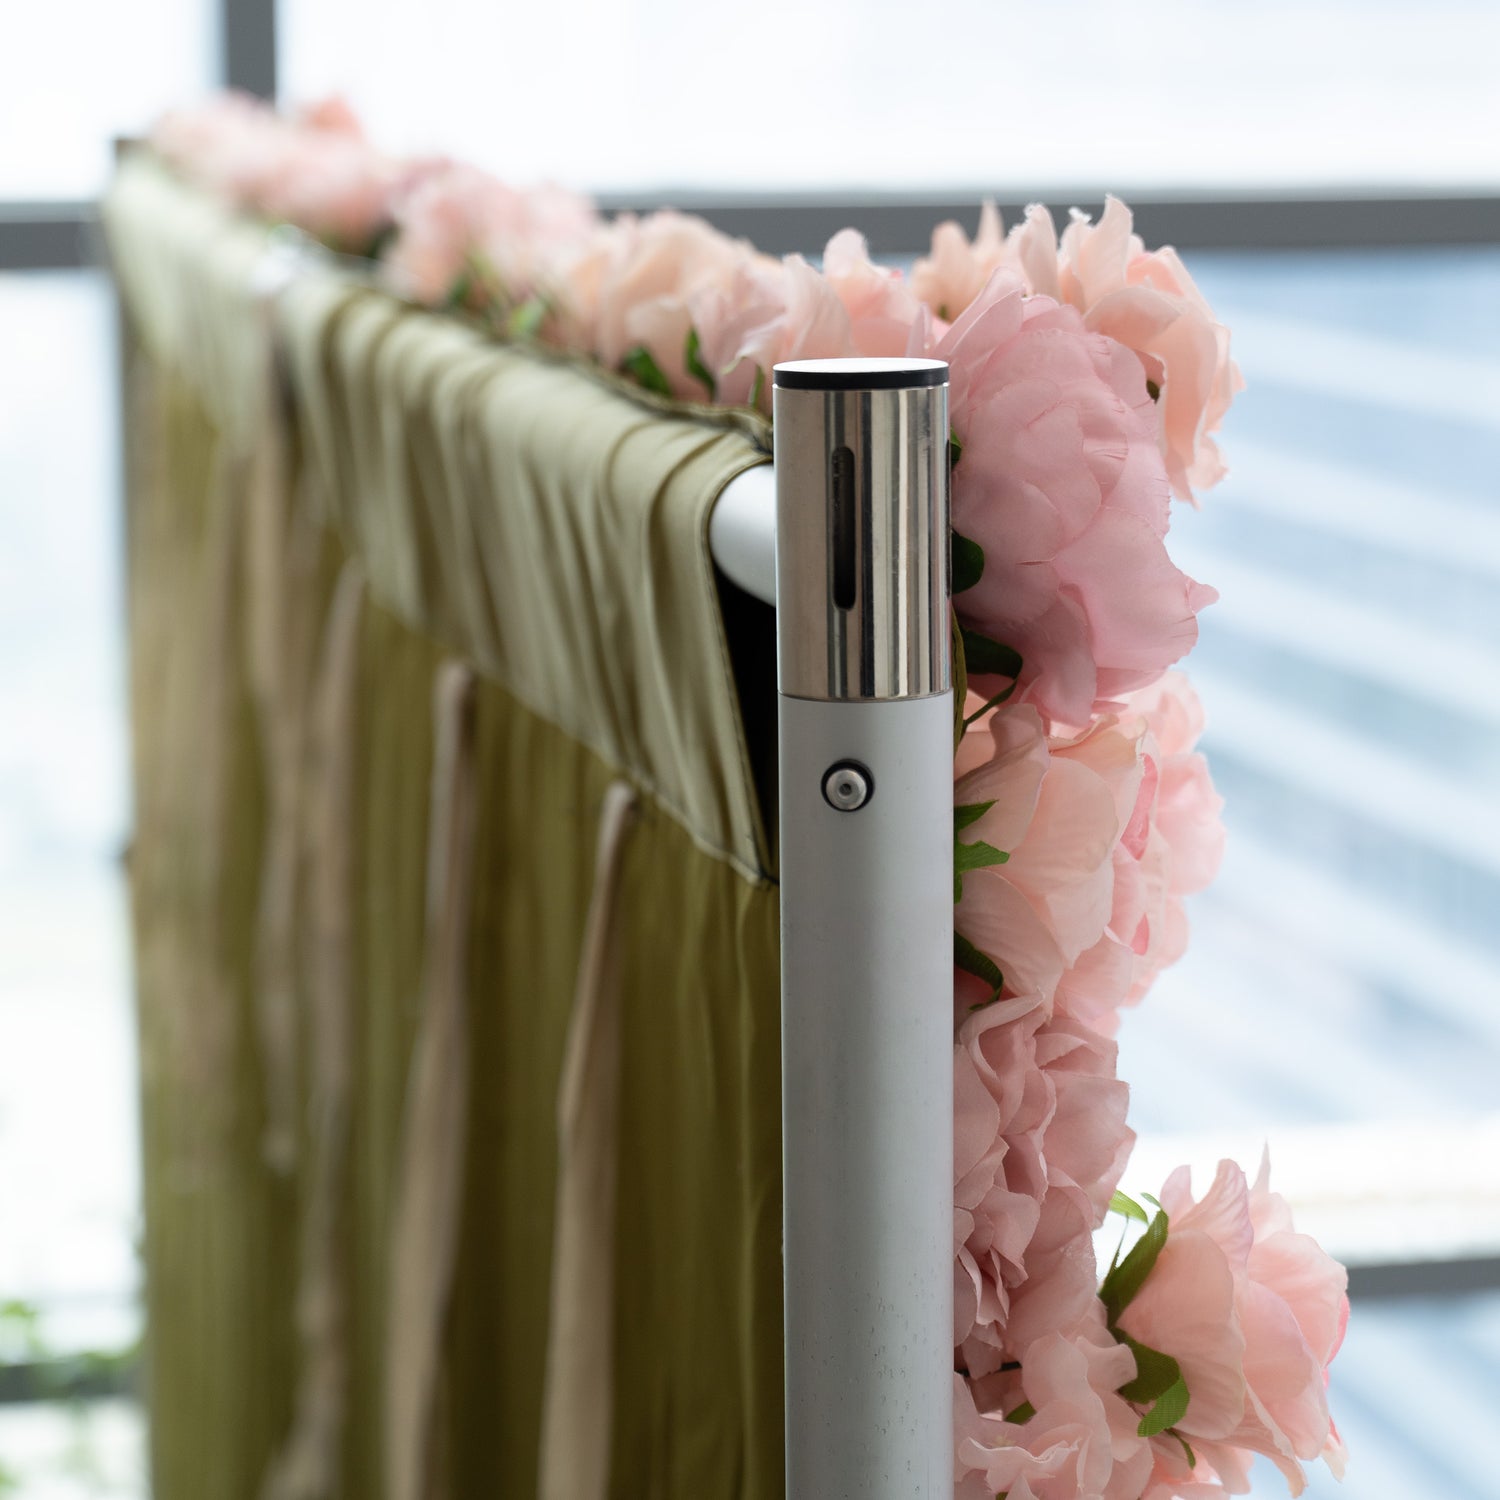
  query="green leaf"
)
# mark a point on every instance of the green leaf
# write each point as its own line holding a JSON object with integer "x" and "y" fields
{"x": 692, "y": 359}
{"x": 645, "y": 371}
{"x": 1158, "y": 1385}
{"x": 968, "y": 562}
{"x": 459, "y": 292}
{"x": 1153, "y": 390}
{"x": 984, "y": 657}
{"x": 1126, "y": 1279}
{"x": 526, "y": 320}
{"x": 1023, "y": 1413}
{"x": 1120, "y": 1204}
{"x": 968, "y": 958}
{"x": 970, "y": 812}
{"x": 960, "y": 683}
{"x": 1187, "y": 1449}
{"x": 758, "y": 389}
{"x": 1155, "y": 1372}
{"x": 1152, "y": 1199}
{"x": 976, "y": 856}
{"x": 989, "y": 703}
{"x": 955, "y": 449}
{"x": 1171, "y": 1407}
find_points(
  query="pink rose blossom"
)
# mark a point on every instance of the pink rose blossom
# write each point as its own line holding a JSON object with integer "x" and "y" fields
{"x": 652, "y": 271}
{"x": 879, "y": 302}
{"x": 455, "y": 222}
{"x": 1058, "y": 812}
{"x": 1040, "y": 1141}
{"x": 1170, "y": 847}
{"x": 1062, "y": 484}
{"x": 949, "y": 279}
{"x": 1253, "y": 1312}
{"x": 741, "y": 327}
{"x": 1149, "y": 303}
{"x": 1081, "y": 1441}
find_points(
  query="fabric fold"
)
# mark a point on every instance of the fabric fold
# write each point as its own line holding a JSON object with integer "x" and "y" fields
{"x": 578, "y": 1394}
{"x": 426, "y": 1226}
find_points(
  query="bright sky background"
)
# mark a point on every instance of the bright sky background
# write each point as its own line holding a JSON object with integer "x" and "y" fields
{"x": 1025, "y": 95}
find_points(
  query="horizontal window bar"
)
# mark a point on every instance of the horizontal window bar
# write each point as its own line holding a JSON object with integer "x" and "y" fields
{"x": 48, "y": 236}
{"x": 902, "y": 225}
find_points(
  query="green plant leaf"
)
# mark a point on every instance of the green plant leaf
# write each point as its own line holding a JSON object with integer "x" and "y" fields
{"x": 984, "y": 657}
{"x": 1153, "y": 390}
{"x": 692, "y": 360}
{"x": 970, "y": 812}
{"x": 1187, "y": 1448}
{"x": 989, "y": 703}
{"x": 968, "y": 562}
{"x": 969, "y": 958}
{"x": 1126, "y": 1279}
{"x": 1171, "y": 1407}
{"x": 459, "y": 292}
{"x": 955, "y": 449}
{"x": 1158, "y": 1386}
{"x": 1023, "y": 1413}
{"x": 758, "y": 389}
{"x": 645, "y": 371}
{"x": 976, "y": 856}
{"x": 1155, "y": 1372}
{"x": 1120, "y": 1204}
{"x": 960, "y": 682}
{"x": 526, "y": 320}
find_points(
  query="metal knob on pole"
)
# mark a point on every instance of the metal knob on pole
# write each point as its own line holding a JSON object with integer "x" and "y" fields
{"x": 866, "y": 777}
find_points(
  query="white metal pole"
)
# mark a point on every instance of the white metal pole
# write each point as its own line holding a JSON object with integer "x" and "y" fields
{"x": 866, "y": 783}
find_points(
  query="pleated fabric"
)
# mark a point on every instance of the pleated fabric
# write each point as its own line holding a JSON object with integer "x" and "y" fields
{"x": 454, "y": 908}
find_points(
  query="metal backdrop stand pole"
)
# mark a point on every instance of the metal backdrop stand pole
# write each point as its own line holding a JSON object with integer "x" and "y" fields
{"x": 866, "y": 926}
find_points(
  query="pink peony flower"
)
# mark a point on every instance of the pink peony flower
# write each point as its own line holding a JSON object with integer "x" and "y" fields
{"x": 879, "y": 302}
{"x": 334, "y": 185}
{"x": 955, "y": 273}
{"x": 334, "y": 114}
{"x": 1106, "y": 831}
{"x": 455, "y": 222}
{"x": 1081, "y": 1439}
{"x": 741, "y": 327}
{"x": 1170, "y": 847}
{"x": 1253, "y": 1312}
{"x": 1062, "y": 484}
{"x": 1040, "y": 1141}
{"x": 1148, "y": 302}
{"x": 643, "y": 287}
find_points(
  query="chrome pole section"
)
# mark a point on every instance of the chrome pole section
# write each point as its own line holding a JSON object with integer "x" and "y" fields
{"x": 866, "y": 926}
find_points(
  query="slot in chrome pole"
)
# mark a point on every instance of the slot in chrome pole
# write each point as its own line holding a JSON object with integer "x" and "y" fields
{"x": 866, "y": 777}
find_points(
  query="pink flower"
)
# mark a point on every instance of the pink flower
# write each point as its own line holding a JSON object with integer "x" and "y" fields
{"x": 1040, "y": 1141}
{"x": 1062, "y": 484}
{"x": 1081, "y": 1440}
{"x": 650, "y": 274}
{"x": 334, "y": 185}
{"x": 457, "y": 223}
{"x": 1148, "y": 302}
{"x": 1059, "y": 811}
{"x": 741, "y": 324}
{"x": 1170, "y": 846}
{"x": 879, "y": 302}
{"x": 334, "y": 114}
{"x": 955, "y": 273}
{"x": 1253, "y": 1312}
{"x": 1106, "y": 831}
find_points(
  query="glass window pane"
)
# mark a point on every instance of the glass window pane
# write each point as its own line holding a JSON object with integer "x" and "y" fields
{"x": 76, "y": 73}
{"x": 879, "y": 93}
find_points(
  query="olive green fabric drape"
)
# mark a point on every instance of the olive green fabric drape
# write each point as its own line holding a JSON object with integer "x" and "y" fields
{"x": 334, "y": 502}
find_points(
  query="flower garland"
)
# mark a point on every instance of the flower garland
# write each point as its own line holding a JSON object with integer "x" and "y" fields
{"x": 1088, "y": 376}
